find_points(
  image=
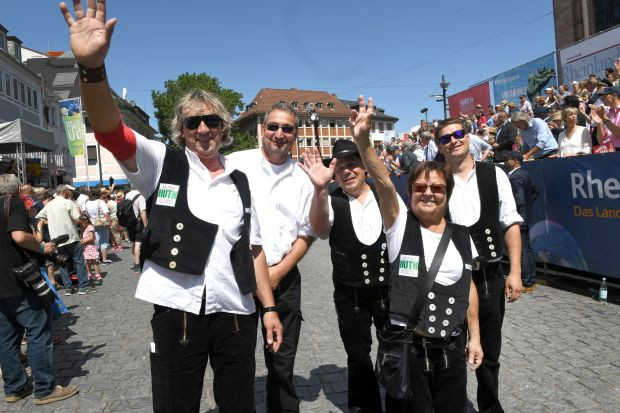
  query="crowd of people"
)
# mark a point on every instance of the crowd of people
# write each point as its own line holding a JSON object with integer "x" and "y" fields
{"x": 561, "y": 123}
{"x": 67, "y": 232}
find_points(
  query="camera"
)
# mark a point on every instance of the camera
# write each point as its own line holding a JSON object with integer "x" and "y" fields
{"x": 56, "y": 257}
{"x": 29, "y": 275}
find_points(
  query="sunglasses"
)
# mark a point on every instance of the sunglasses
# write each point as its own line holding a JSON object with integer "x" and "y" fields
{"x": 457, "y": 134}
{"x": 212, "y": 121}
{"x": 435, "y": 188}
{"x": 273, "y": 127}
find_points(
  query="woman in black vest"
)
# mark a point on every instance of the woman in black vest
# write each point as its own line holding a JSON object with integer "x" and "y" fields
{"x": 438, "y": 369}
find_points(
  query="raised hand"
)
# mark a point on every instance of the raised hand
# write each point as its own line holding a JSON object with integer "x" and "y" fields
{"x": 361, "y": 120}
{"x": 319, "y": 174}
{"x": 90, "y": 33}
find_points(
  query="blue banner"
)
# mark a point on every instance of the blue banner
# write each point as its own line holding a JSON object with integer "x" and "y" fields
{"x": 529, "y": 79}
{"x": 576, "y": 217}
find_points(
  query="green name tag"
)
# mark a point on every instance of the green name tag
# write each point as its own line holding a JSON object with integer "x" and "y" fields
{"x": 167, "y": 195}
{"x": 408, "y": 265}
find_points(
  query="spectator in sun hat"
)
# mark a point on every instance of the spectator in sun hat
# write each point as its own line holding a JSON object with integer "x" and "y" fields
{"x": 525, "y": 106}
{"x": 608, "y": 120}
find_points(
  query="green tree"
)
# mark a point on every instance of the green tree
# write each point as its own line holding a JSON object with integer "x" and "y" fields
{"x": 241, "y": 141}
{"x": 165, "y": 101}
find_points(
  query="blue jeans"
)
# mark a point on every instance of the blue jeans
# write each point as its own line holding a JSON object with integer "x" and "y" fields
{"x": 16, "y": 315}
{"x": 76, "y": 251}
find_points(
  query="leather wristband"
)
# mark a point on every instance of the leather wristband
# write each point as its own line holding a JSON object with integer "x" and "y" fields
{"x": 269, "y": 309}
{"x": 88, "y": 75}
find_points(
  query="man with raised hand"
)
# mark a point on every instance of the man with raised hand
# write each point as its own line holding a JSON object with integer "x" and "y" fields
{"x": 361, "y": 269}
{"x": 197, "y": 266}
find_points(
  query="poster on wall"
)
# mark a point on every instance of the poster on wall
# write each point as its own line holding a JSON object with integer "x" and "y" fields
{"x": 71, "y": 113}
{"x": 529, "y": 79}
{"x": 576, "y": 216}
{"x": 590, "y": 56}
{"x": 465, "y": 102}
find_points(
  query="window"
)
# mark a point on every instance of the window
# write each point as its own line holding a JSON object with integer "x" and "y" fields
{"x": 380, "y": 126}
{"x": 308, "y": 123}
{"x": 294, "y": 105}
{"x": 22, "y": 93}
{"x": 324, "y": 122}
{"x": 7, "y": 83}
{"x": 306, "y": 105}
{"x": 309, "y": 142}
{"x": 339, "y": 123}
{"x": 374, "y": 126}
{"x": 325, "y": 141}
{"x": 388, "y": 126}
{"x": 319, "y": 105}
{"x": 332, "y": 123}
{"x": 330, "y": 106}
{"x": 15, "y": 89}
{"x": 333, "y": 141}
{"x": 35, "y": 100}
{"x": 29, "y": 96}
{"x": 2, "y": 41}
{"x": 300, "y": 122}
{"x": 91, "y": 152}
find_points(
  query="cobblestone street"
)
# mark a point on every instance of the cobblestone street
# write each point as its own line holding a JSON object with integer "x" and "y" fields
{"x": 560, "y": 353}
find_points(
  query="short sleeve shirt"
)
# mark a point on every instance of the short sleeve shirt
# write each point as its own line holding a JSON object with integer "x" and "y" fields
{"x": 10, "y": 255}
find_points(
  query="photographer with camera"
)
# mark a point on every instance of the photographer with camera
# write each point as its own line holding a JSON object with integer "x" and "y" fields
{"x": 62, "y": 216}
{"x": 23, "y": 308}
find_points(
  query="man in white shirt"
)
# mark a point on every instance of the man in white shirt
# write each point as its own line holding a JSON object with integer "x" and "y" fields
{"x": 282, "y": 194}
{"x": 361, "y": 269}
{"x": 135, "y": 231}
{"x": 62, "y": 215}
{"x": 482, "y": 200}
{"x": 199, "y": 269}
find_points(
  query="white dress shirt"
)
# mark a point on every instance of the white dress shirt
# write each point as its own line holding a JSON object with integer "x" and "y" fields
{"x": 282, "y": 195}
{"x": 366, "y": 218}
{"x": 215, "y": 200}
{"x": 465, "y": 200}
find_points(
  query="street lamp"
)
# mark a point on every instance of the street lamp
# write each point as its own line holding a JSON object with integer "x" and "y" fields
{"x": 444, "y": 85}
{"x": 314, "y": 118}
{"x": 425, "y": 111}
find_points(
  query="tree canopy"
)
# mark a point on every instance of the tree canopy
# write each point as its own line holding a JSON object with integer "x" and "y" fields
{"x": 164, "y": 103}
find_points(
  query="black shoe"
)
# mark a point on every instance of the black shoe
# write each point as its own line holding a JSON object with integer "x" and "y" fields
{"x": 70, "y": 291}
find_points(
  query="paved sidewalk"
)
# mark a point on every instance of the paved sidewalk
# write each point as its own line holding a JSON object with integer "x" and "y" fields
{"x": 561, "y": 350}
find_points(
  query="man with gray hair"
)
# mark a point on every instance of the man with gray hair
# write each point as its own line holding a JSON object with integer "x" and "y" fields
{"x": 62, "y": 215}
{"x": 536, "y": 135}
{"x": 283, "y": 196}
{"x": 428, "y": 146}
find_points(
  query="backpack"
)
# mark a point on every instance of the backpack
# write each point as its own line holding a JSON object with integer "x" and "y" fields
{"x": 125, "y": 214}
{"x": 408, "y": 161}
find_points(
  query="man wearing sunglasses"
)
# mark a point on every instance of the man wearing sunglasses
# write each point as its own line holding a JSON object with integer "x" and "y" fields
{"x": 282, "y": 196}
{"x": 350, "y": 215}
{"x": 482, "y": 200}
{"x": 197, "y": 266}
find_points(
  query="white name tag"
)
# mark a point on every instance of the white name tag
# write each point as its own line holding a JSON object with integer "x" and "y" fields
{"x": 167, "y": 195}
{"x": 408, "y": 265}
{"x": 468, "y": 267}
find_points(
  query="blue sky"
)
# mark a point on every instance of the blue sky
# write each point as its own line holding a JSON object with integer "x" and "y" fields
{"x": 395, "y": 51}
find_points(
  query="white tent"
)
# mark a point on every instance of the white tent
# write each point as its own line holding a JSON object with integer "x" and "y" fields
{"x": 19, "y": 137}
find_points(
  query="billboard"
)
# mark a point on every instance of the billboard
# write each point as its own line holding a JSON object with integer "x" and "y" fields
{"x": 466, "y": 101}
{"x": 590, "y": 56}
{"x": 529, "y": 79}
{"x": 576, "y": 216}
{"x": 71, "y": 113}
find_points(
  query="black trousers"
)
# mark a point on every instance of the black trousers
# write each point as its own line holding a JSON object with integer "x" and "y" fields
{"x": 491, "y": 305}
{"x": 281, "y": 393}
{"x": 184, "y": 342}
{"x": 528, "y": 262}
{"x": 443, "y": 388}
{"x": 358, "y": 309}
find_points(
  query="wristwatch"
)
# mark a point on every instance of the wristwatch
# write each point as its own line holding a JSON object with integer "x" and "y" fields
{"x": 269, "y": 310}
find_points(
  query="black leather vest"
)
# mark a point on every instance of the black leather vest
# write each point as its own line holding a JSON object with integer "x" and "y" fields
{"x": 355, "y": 263}
{"x": 486, "y": 232}
{"x": 176, "y": 239}
{"x": 445, "y": 307}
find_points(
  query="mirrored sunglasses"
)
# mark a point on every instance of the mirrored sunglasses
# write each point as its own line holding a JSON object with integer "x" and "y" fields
{"x": 457, "y": 134}
{"x": 193, "y": 122}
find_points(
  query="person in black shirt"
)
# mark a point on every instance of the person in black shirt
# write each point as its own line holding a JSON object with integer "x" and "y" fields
{"x": 20, "y": 308}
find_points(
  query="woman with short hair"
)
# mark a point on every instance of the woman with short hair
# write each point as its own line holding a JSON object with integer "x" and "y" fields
{"x": 574, "y": 140}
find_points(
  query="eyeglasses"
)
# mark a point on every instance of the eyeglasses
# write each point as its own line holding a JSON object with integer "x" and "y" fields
{"x": 212, "y": 121}
{"x": 273, "y": 127}
{"x": 439, "y": 189}
{"x": 457, "y": 134}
